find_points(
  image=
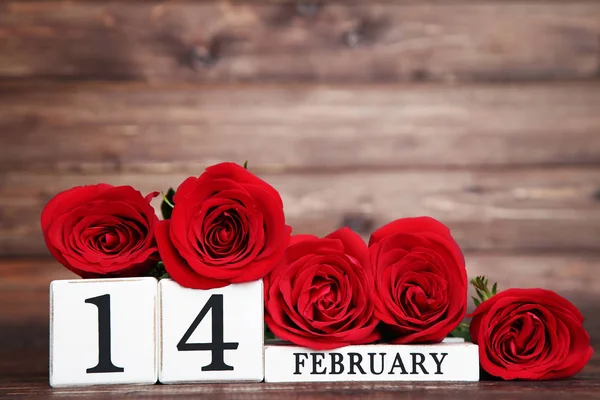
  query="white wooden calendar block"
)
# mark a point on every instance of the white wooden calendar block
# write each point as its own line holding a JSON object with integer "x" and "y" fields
{"x": 379, "y": 362}
{"x": 453, "y": 340}
{"x": 103, "y": 331}
{"x": 211, "y": 335}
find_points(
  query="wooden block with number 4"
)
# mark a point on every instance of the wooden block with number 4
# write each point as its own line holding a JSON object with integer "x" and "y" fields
{"x": 103, "y": 331}
{"x": 211, "y": 335}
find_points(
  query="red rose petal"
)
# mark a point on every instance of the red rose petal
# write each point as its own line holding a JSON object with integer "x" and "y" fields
{"x": 353, "y": 244}
{"x": 410, "y": 225}
{"x": 67, "y": 200}
{"x": 176, "y": 266}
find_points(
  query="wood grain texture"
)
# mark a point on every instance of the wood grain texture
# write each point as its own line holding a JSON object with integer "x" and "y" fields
{"x": 522, "y": 209}
{"x": 93, "y": 128}
{"x": 584, "y": 386}
{"x": 220, "y": 41}
{"x": 24, "y": 282}
{"x": 24, "y": 347}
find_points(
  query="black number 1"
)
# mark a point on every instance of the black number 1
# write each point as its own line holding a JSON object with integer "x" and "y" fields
{"x": 104, "y": 353}
{"x": 217, "y": 347}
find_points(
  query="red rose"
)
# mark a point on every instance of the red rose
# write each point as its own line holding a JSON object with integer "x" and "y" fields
{"x": 321, "y": 295}
{"x": 531, "y": 334}
{"x": 101, "y": 230}
{"x": 420, "y": 280}
{"x": 227, "y": 226}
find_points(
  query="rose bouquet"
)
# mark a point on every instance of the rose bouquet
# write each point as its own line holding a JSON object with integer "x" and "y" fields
{"x": 408, "y": 285}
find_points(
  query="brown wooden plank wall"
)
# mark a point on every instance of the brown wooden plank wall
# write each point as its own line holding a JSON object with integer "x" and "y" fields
{"x": 484, "y": 114}
{"x": 321, "y": 41}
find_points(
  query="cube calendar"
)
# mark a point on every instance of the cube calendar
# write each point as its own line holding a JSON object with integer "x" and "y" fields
{"x": 140, "y": 330}
{"x": 211, "y": 335}
{"x": 103, "y": 331}
{"x": 450, "y": 361}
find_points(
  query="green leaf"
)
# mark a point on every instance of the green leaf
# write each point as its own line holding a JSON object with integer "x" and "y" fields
{"x": 268, "y": 333}
{"x": 480, "y": 294}
{"x": 159, "y": 271}
{"x": 166, "y": 207}
{"x": 461, "y": 331}
{"x": 480, "y": 283}
{"x": 476, "y": 301}
{"x": 246, "y": 164}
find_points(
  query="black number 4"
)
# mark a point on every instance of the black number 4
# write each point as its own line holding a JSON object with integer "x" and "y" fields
{"x": 217, "y": 347}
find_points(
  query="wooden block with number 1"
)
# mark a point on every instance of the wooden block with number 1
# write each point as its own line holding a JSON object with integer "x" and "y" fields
{"x": 103, "y": 331}
{"x": 211, "y": 335}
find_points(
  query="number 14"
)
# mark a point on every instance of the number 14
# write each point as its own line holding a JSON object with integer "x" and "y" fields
{"x": 217, "y": 346}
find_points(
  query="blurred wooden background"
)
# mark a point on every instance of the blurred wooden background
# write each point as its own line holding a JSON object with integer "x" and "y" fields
{"x": 483, "y": 114}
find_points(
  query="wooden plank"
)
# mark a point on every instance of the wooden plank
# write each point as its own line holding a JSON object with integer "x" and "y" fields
{"x": 574, "y": 276}
{"x": 382, "y": 41}
{"x": 97, "y": 128}
{"x": 24, "y": 281}
{"x": 523, "y": 209}
{"x": 584, "y": 386}
{"x": 312, "y": 2}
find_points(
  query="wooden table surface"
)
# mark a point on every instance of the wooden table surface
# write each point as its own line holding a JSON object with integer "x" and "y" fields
{"x": 24, "y": 360}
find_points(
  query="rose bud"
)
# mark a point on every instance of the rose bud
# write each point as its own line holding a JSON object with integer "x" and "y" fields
{"x": 532, "y": 334}
{"x": 321, "y": 296}
{"x": 101, "y": 230}
{"x": 227, "y": 226}
{"x": 420, "y": 280}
